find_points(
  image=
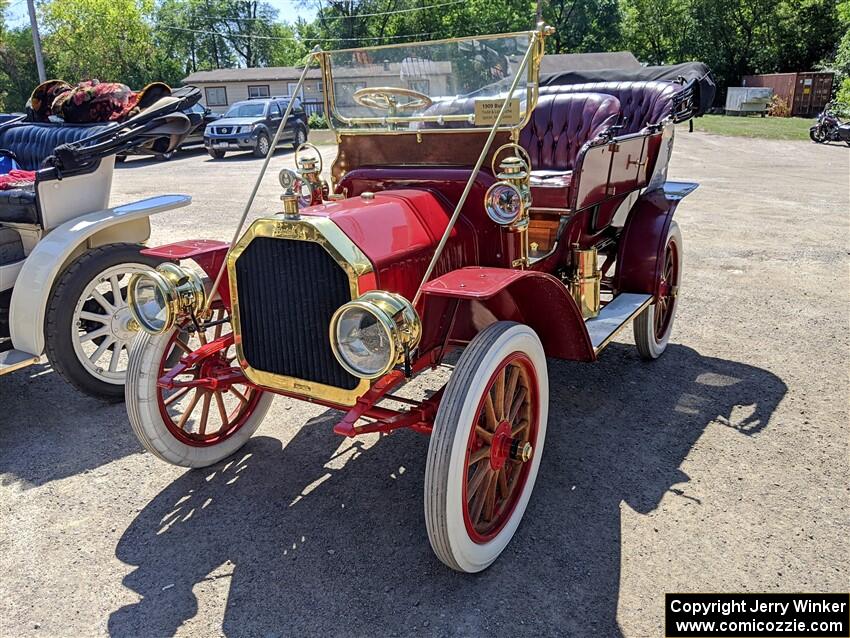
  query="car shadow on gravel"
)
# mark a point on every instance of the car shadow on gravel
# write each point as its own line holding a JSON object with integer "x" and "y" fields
{"x": 50, "y": 431}
{"x": 311, "y": 545}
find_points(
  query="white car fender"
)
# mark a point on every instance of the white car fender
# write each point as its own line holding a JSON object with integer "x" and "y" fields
{"x": 30, "y": 296}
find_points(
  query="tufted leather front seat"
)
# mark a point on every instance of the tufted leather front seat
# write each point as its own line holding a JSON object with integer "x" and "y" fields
{"x": 33, "y": 143}
{"x": 562, "y": 123}
{"x": 641, "y": 103}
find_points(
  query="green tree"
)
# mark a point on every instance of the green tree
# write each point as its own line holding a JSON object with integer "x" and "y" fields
{"x": 104, "y": 39}
{"x": 657, "y": 31}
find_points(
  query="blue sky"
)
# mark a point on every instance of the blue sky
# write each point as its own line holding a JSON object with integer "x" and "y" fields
{"x": 288, "y": 10}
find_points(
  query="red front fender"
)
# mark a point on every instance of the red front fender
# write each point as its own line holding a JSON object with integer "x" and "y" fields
{"x": 465, "y": 301}
{"x": 207, "y": 253}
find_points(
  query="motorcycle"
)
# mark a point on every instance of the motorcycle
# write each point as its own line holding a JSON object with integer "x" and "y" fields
{"x": 829, "y": 127}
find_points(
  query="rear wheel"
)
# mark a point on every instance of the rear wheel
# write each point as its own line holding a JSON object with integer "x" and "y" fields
{"x": 486, "y": 446}
{"x": 88, "y": 328}
{"x": 654, "y": 325}
{"x": 191, "y": 426}
{"x": 300, "y": 137}
{"x": 164, "y": 157}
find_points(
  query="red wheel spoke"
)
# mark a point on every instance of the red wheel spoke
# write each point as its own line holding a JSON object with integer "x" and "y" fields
{"x": 492, "y": 421}
{"x": 503, "y": 484}
{"x": 222, "y": 411}
{"x": 177, "y": 396}
{"x": 183, "y": 419}
{"x": 512, "y": 381}
{"x": 239, "y": 395}
{"x": 484, "y": 434}
{"x": 523, "y": 425}
{"x": 205, "y": 413}
{"x": 479, "y": 454}
{"x": 500, "y": 395}
{"x": 184, "y": 347}
{"x": 490, "y": 500}
{"x": 477, "y": 480}
{"x": 520, "y": 398}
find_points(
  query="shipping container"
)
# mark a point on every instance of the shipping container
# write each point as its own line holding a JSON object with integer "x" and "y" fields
{"x": 806, "y": 93}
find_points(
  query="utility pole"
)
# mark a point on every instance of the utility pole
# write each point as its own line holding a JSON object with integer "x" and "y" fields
{"x": 539, "y": 12}
{"x": 36, "y": 41}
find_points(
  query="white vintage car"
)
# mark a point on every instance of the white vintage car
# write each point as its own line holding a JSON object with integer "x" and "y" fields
{"x": 66, "y": 256}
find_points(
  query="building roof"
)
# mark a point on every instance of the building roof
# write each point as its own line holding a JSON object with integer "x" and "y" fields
{"x": 557, "y": 62}
{"x": 551, "y": 64}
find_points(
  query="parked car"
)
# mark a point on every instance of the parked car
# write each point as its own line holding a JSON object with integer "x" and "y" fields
{"x": 199, "y": 117}
{"x": 66, "y": 256}
{"x": 513, "y": 223}
{"x": 251, "y": 126}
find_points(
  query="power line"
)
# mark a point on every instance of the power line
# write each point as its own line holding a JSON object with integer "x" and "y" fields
{"x": 294, "y": 39}
{"x": 389, "y": 13}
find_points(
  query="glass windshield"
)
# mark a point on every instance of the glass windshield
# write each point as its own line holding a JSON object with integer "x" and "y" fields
{"x": 246, "y": 110}
{"x": 455, "y": 84}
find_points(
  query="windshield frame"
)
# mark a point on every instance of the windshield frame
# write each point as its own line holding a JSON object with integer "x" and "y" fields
{"x": 532, "y": 70}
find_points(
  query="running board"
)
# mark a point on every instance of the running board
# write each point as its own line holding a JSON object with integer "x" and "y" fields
{"x": 12, "y": 360}
{"x": 613, "y": 317}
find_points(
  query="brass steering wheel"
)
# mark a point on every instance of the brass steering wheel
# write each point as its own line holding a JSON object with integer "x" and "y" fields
{"x": 385, "y": 98}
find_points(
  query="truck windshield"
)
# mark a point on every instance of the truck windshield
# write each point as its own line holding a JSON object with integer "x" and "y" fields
{"x": 246, "y": 110}
{"x": 446, "y": 84}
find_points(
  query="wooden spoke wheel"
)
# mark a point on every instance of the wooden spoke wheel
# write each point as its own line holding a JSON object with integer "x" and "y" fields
{"x": 654, "y": 325}
{"x": 190, "y": 425}
{"x": 499, "y": 448}
{"x": 486, "y": 446}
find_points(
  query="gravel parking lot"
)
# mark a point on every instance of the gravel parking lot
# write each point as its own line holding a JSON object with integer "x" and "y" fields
{"x": 721, "y": 467}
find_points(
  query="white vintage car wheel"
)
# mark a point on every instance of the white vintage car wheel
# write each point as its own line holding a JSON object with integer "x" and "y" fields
{"x": 486, "y": 446}
{"x": 653, "y": 326}
{"x": 189, "y": 426}
{"x": 88, "y": 328}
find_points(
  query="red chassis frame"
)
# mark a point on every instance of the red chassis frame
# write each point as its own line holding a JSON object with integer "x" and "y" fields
{"x": 465, "y": 300}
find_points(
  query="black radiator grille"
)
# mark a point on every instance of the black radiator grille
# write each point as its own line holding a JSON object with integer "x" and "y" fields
{"x": 288, "y": 290}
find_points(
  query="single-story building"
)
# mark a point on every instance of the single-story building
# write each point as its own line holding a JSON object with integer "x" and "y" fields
{"x": 223, "y": 87}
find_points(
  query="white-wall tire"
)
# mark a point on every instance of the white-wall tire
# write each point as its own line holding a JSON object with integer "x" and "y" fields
{"x": 454, "y": 536}
{"x": 149, "y": 356}
{"x": 653, "y": 327}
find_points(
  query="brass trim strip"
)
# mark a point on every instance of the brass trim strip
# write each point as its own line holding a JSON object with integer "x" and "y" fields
{"x": 350, "y": 258}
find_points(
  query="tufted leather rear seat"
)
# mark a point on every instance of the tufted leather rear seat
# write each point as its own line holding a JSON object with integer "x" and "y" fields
{"x": 562, "y": 123}
{"x": 33, "y": 143}
{"x": 641, "y": 103}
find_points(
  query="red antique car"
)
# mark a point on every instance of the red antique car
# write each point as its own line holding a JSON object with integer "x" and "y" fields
{"x": 469, "y": 209}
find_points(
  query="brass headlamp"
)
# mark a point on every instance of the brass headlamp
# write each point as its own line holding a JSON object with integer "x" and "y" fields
{"x": 374, "y": 333}
{"x": 157, "y": 299}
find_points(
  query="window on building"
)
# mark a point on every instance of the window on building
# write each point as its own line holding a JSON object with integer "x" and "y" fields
{"x": 216, "y": 96}
{"x": 320, "y": 87}
{"x": 261, "y": 90}
{"x": 290, "y": 89}
{"x": 423, "y": 86}
{"x": 345, "y": 90}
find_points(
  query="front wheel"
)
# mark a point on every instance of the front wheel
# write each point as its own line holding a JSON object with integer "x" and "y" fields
{"x": 190, "y": 425}
{"x": 261, "y": 149}
{"x": 817, "y": 134}
{"x": 654, "y": 325}
{"x": 215, "y": 153}
{"x": 88, "y": 328}
{"x": 486, "y": 446}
